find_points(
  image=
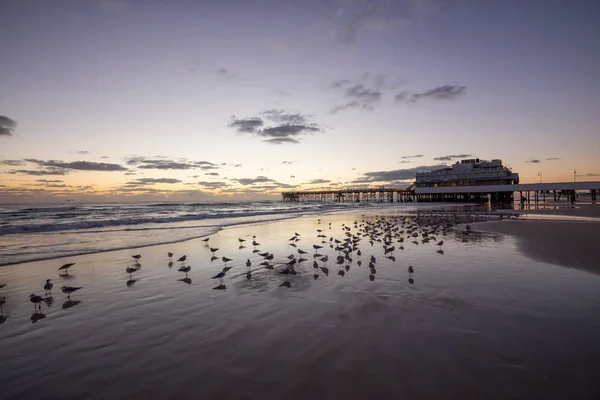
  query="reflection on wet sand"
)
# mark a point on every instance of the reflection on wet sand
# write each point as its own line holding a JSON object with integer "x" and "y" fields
{"x": 131, "y": 282}
{"x": 185, "y": 280}
{"x": 36, "y": 316}
{"x": 70, "y": 303}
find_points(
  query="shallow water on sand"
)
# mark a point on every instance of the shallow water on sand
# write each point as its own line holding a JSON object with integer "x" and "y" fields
{"x": 480, "y": 321}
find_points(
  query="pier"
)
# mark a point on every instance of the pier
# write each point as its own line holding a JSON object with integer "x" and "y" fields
{"x": 528, "y": 193}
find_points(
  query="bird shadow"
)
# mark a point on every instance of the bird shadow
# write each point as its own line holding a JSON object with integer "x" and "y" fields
{"x": 36, "y": 316}
{"x": 411, "y": 281}
{"x": 70, "y": 303}
{"x": 220, "y": 287}
{"x": 3, "y": 319}
{"x": 241, "y": 247}
{"x": 185, "y": 280}
{"x": 66, "y": 277}
{"x": 49, "y": 300}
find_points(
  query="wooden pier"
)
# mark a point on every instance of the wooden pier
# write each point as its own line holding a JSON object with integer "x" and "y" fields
{"x": 450, "y": 194}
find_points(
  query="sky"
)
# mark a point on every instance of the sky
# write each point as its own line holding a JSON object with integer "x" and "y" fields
{"x": 131, "y": 100}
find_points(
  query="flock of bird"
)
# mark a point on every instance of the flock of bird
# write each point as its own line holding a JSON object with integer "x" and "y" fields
{"x": 358, "y": 238}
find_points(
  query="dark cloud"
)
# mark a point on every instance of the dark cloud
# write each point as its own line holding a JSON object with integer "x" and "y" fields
{"x": 78, "y": 165}
{"x": 396, "y": 175}
{"x": 451, "y": 157}
{"x": 415, "y": 156}
{"x": 40, "y": 172}
{"x": 83, "y": 152}
{"x": 552, "y": 159}
{"x": 152, "y": 181}
{"x": 130, "y": 173}
{"x": 12, "y": 163}
{"x": 366, "y": 95}
{"x": 7, "y": 126}
{"x": 290, "y": 126}
{"x": 318, "y": 181}
{"x": 282, "y": 141}
{"x": 250, "y": 181}
{"x": 533, "y": 161}
{"x": 166, "y": 164}
{"x": 49, "y": 181}
{"x": 359, "y": 95}
{"x": 445, "y": 92}
{"x": 246, "y": 125}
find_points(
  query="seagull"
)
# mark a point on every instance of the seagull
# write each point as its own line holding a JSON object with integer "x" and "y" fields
{"x": 66, "y": 267}
{"x": 48, "y": 286}
{"x": 36, "y": 300}
{"x": 131, "y": 270}
{"x": 185, "y": 269}
{"x": 219, "y": 276}
{"x": 69, "y": 289}
{"x": 182, "y": 259}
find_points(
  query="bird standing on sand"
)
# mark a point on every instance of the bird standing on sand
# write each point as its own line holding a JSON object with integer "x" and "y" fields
{"x": 185, "y": 269}
{"x": 206, "y": 240}
{"x": 214, "y": 250}
{"x": 241, "y": 240}
{"x": 131, "y": 270}
{"x": 48, "y": 286}
{"x": 255, "y": 243}
{"x": 69, "y": 289}
{"x": 170, "y": 255}
{"x": 226, "y": 260}
{"x": 137, "y": 257}
{"x": 411, "y": 270}
{"x": 219, "y": 276}
{"x": 182, "y": 259}
{"x": 316, "y": 247}
{"x": 36, "y": 300}
{"x": 66, "y": 267}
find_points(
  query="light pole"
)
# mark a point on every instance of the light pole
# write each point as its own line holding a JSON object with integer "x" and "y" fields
{"x": 540, "y": 175}
{"x": 574, "y": 176}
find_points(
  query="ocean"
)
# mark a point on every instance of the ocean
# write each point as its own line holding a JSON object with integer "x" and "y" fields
{"x": 47, "y": 231}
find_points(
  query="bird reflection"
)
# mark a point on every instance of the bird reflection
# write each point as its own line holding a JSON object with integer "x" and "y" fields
{"x": 440, "y": 251}
{"x": 220, "y": 287}
{"x": 131, "y": 282}
{"x": 213, "y": 258}
{"x": 371, "y": 277}
{"x": 242, "y": 247}
{"x": 411, "y": 280}
{"x": 3, "y": 319}
{"x": 170, "y": 264}
{"x": 66, "y": 276}
{"x": 70, "y": 303}
{"x": 49, "y": 300}
{"x": 36, "y": 316}
{"x": 286, "y": 284}
{"x": 185, "y": 280}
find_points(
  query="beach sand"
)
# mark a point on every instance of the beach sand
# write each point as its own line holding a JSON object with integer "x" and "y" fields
{"x": 478, "y": 321}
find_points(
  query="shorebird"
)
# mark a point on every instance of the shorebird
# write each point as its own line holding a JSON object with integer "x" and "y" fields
{"x": 241, "y": 240}
{"x": 373, "y": 260}
{"x": 2, "y": 285}
{"x": 69, "y": 289}
{"x": 36, "y": 300}
{"x": 182, "y": 259}
{"x": 441, "y": 243}
{"x": 185, "y": 269}
{"x": 66, "y": 267}
{"x": 317, "y": 247}
{"x": 286, "y": 284}
{"x": 300, "y": 251}
{"x": 170, "y": 255}
{"x": 219, "y": 276}
{"x": 137, "y": 257}
{"x": 131, "y": 270}
{"x": 411, "y": 270}
{"x": 214, "y": 250}
{"x": 248, "y": 263}
{"x": 48, "y": 286}
{"x": 206, "y": 240}
{"x": 226, "y": 260}
{"x": 255, "y": 243}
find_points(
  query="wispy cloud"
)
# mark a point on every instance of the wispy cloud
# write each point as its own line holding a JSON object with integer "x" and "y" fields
{"x": 445, "y": 92}
{"x": 78, "y": 165}
{"x": 533, "y": 161}
{"x": 396, "y": 175}
{"x": 83, "y": 152}
{"x": 451, "y": 157}
{"x": 167, "y": 164}
{"x": 413, "y": 156}
{"x": 552, "y": 159}
{"x": 152, "y": 181}
{"x": 318, "y": 182}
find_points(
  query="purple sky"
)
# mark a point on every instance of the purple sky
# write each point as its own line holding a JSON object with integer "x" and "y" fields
{"x": 126, "y": 99}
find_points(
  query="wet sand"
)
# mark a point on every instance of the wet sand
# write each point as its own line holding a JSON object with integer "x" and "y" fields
{"x": 478, "y": 321}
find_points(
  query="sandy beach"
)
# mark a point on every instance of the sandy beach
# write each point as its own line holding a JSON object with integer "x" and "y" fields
{"x": 474, "y": 318}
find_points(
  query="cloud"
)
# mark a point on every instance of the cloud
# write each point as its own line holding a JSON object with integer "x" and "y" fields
{"x": 152, "y": 181}
{"x": 552, "y": 159}
{"x": 366, "y": 16}
{"x": 226, "y": 74}
{"x": 414, "y": 156}
{"x": 83, "y": 152}
{"x": 280, "y": 93}
{"x": 39, "y": 172}
{"x": 12, "y": 163}
{"x": 445, "y": 92}
{"x": 78, "y": 165}
{"x": 7, "y": 126}
{"x": 451, "y": 157}
{"x": 592, "y": 174}
{"x": 212, "y": 174}
{"x": 250, "y": 181}
{"x": 533, "y": 161}
{"x": 130, "y": 173}
{"x": 352, "y": 104}
{"x": 49, "y": 181}
{"x": 246, "y": 125}
{"x": 318, "y": 181}
{"x": 403, "y": 162}
{"x": 364, "y": 94}
{"x": 289, "y": 126}
{"x": 287, "y": 162}
{"x": 213, "y": 185}
{"x": 396, "y": 175}
{"x": 166, "y": 164}
{"x": 104, "y": 157}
